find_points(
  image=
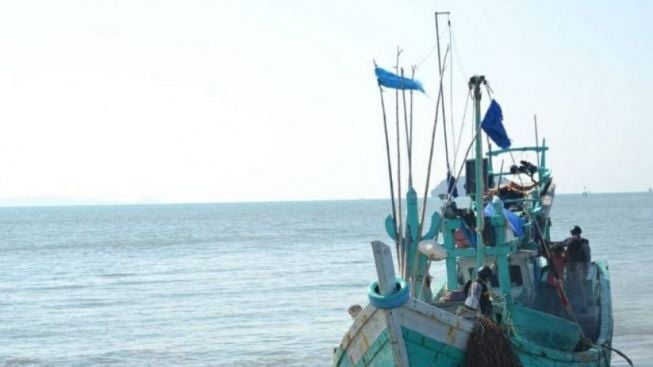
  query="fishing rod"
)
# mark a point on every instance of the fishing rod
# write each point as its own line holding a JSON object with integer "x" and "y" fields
{"x": 409, "y": 141}
{"x": 400, "y": 225}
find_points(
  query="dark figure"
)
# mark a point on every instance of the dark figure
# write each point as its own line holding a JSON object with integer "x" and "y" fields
{"x": 580, "y": 256}
{"x": 557, "y": 264}
{"x": 477, "y": 293}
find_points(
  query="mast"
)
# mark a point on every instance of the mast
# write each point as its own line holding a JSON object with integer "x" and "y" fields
{"x": 444, "y": 116}
{"x": 475, "y": 83}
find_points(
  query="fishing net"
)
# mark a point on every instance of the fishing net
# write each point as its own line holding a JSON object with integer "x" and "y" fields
{"x": 488, "y": 346}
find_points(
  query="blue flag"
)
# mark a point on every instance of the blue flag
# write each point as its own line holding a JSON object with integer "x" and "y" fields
{"x": 394, "y": 81}
{"x": 493, "y": 126}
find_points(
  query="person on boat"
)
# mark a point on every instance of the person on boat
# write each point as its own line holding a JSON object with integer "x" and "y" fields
{"x": 557, "y": 263}
{"x": 580, "y": 256}
{"x": 477, "y": 293}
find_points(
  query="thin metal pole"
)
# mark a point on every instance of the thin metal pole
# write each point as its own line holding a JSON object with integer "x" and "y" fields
{"x": 453, "y": 130}
{"x": 444, "y": 116}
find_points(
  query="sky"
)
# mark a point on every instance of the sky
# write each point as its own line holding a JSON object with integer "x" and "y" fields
{"x": 227, "y": 101}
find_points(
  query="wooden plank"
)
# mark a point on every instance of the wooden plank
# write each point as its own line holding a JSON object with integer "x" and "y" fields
{"x": 396, "y": 338}
{"x": 385, "y": 270}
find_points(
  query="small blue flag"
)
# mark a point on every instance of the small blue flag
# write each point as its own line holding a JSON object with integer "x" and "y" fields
{"x": 394, "y": 81}
{"x": 493, "y": 126}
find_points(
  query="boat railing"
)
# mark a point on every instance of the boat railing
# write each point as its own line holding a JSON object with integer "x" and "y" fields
{"x": 538, "y": 149}
{"x": 499, "y": 248}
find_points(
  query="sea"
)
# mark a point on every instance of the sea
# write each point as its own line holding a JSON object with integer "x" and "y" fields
{"x": 252, "y": 284}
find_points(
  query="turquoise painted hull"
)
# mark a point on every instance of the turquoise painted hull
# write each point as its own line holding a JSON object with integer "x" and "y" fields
{"x": 433, "y": 337}
{"x": 369, "y": 341}
{"x": 422, "y": 352}
{"x": 428, "y": 352}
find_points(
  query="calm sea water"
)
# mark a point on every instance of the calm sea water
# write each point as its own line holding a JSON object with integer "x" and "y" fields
{"x": 243, "y": 284}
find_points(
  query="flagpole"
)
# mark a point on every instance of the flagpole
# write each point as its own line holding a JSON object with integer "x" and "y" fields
{"x": 392, "y": 189}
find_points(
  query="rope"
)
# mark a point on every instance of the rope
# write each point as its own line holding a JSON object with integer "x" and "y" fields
{"x": 469, "y": 147}
{"x": 469, "y": 93}
{"x": 489, "y": 90}
{"x": 428, "y": 55}
{"x": 488, "y": 346}
{"x": 622, "y": 354}
{"x": 428, "y": 171}
{"x": 461, "y": 68}
{"x": 605, "y": 345}
{"x": 460, "y": 170}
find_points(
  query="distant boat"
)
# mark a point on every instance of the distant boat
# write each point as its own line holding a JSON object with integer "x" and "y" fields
{"x": 585, "y": 192}
{"x": 650, "y": 189}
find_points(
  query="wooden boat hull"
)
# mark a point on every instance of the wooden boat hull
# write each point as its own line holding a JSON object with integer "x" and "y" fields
{"x": 420, "y": 334}
{"x": 415, "y": 334}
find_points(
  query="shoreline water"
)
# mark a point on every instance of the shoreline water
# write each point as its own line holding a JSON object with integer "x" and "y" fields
{"x": 241, "y": 284}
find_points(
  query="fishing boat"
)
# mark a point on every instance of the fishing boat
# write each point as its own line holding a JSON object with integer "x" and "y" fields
{"x": 413, "y": 319}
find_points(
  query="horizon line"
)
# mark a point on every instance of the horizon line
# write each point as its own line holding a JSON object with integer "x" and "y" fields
{"x": 75, "y": 202}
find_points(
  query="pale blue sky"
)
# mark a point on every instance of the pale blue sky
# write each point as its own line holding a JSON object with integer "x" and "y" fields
{"x": 208, "y": 101}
